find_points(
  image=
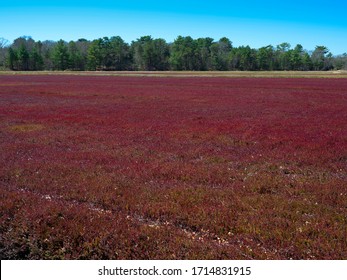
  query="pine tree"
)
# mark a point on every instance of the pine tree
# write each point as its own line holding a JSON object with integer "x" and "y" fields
{"x": 12, "y": 59}
{"x": 60, "y": 56}
{"x": 23, "y": 58}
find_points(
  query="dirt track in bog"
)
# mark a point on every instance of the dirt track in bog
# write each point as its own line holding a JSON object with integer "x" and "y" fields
{"x": 102, "y": 167}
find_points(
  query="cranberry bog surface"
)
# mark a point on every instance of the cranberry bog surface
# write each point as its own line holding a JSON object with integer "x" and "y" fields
{"x": 129, "y": 167}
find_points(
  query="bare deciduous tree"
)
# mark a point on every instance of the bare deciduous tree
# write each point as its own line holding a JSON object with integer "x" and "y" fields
{"x": 3, "y": 49}
{"x": 3, "y": 43}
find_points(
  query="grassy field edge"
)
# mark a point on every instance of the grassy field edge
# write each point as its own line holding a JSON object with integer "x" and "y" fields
{"x": 227, "y": 74}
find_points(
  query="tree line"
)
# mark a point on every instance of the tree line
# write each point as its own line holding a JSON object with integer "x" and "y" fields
{"x": 150, "y": 54}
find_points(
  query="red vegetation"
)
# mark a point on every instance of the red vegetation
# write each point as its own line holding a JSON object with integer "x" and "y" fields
{"x": 95, "y": 167}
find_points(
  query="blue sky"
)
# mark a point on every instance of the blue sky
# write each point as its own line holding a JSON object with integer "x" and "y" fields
{"x": 254, "y": 23}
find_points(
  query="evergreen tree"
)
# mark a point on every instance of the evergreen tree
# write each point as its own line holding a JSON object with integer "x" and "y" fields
{"x": 265, "y": 57}
{"x": 203, "y": 54}
{"x": 146, "y": 53}
{"x": 36, "y": 59}
{"x": 220, "y": 54}
{"x": 60, "y": 56}
{"x": 318, "y": 58}
{"x": 94, "y": 56}
{"x": 183, "y": 54}
{"x": 244, "y": 58}
{"x": 282, "y": 57}
{"x": 75, "y": 57}
{"x": 23, "y": 58}
{"x": 119, "y": 54}
{"x": 143, "y": 53}
{"x": 12, "y": 59}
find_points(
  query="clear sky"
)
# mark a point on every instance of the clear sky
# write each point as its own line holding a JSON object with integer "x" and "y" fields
{"x": 254, "y": 23}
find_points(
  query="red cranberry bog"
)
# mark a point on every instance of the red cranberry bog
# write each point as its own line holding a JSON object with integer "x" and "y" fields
{"x": 130, "y": 167}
